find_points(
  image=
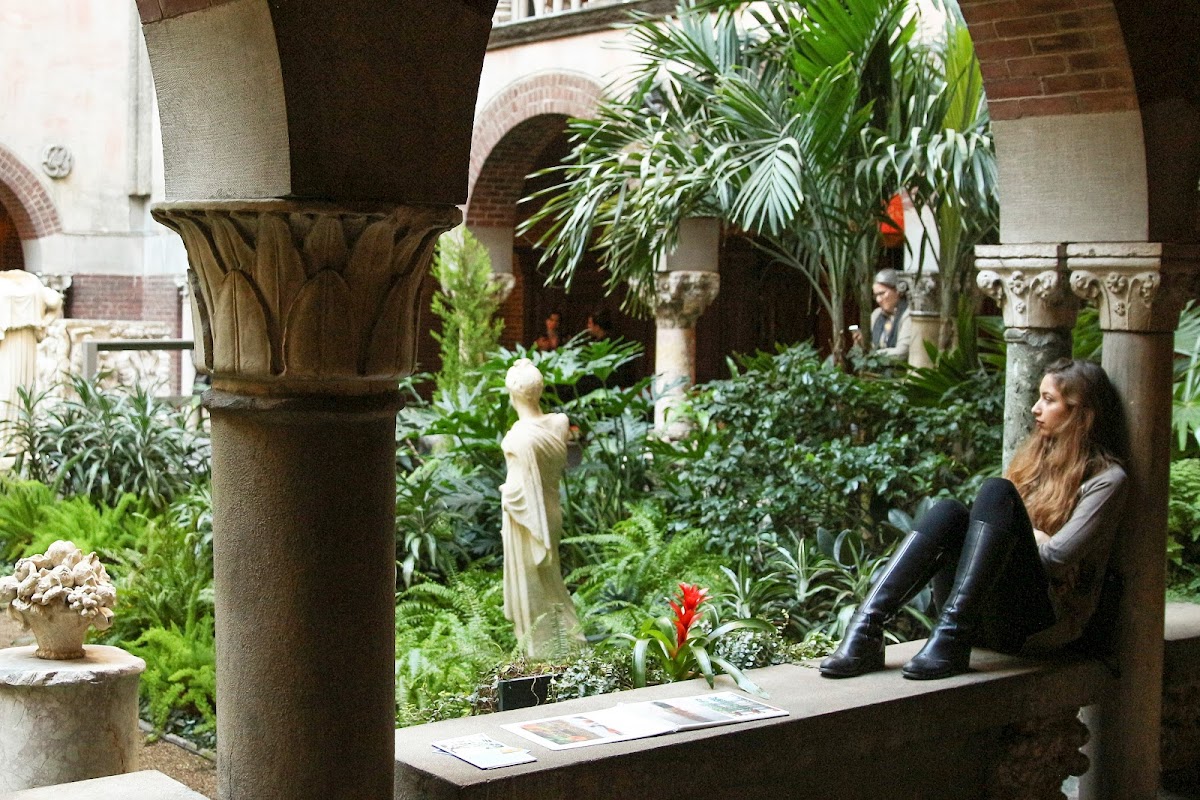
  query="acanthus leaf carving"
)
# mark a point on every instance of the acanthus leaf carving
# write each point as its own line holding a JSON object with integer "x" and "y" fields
{"x": 321, "y": 294}
{"x": 1030, "y": 297}
{"x": 242, "y": 321}
{"x": 1125, "y": 298}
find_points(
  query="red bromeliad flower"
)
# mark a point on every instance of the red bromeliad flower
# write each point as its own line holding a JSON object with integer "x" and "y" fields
{"x": 690, "y": 597}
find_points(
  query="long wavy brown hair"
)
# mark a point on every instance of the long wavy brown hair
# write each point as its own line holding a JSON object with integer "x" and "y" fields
{"x": 1049, "y": 468}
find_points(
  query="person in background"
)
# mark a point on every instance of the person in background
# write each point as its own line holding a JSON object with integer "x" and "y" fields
{"x": 599, "y": 324}
{"x": 891, "y": 325}
{"x": 552, "y": 338}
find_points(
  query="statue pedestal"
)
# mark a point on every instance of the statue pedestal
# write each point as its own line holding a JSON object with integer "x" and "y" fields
{"x": 63, "y": 721}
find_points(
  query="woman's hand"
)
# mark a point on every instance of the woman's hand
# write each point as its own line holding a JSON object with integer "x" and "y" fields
{"x": 1040, "y": 537}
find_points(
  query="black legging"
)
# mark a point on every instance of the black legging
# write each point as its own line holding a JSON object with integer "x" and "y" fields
{"x": 1019, "y": 605}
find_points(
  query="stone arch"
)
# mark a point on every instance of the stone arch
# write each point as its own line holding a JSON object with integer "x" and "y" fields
{"x": 1069, "y": 143}
{"x": 26, "y": 199}
{"x": 510, "y": 132}
{"x": 332, "y": 100}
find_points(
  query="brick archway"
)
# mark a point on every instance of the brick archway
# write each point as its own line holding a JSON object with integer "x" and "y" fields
{"x": 511, "y": 130}
{"x": 26, "y": 200}
{"x": 1050, "y": 57}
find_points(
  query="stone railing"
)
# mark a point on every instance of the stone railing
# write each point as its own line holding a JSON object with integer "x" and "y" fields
{"x": 524, "y": 21}
{"x": 517, "y": 10}
{"x": 1006, "y": 731}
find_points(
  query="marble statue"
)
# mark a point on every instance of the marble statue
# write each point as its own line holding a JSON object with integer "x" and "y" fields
{"x": 535, "y": 450}
{"x": 59, "y": 595}
{"x": 26, "y": 308}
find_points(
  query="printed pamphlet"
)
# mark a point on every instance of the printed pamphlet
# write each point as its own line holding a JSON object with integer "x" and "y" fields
{"x": 640, "y": 720}
{"x": 483, "y": 751}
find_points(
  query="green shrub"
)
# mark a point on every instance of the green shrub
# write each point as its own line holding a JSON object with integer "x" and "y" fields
{"x": 179, "y": 685}
{"x": 466, "y": 304}
{"x": 23, "y": 508}
{"x": 447, "y": 638}
{"x": 103, "y": 445}
{"x": 792, "y": 444}
{"x": 627, "y": 571}
{"x": 1183, "y": 525}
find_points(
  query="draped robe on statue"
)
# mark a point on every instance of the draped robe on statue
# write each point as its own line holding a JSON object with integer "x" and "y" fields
{"x": 535, "y": 597}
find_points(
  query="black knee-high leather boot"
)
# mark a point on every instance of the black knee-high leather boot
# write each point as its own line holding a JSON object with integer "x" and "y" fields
{"x": 861, "y": 651}
{"x": 948, "y": 650}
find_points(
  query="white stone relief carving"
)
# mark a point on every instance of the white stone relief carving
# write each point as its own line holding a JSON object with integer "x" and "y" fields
{"x": 59, "y": 594}
{"x": 297, "y": 294}
{"x": 61, "y": 352}
{"x": 57, "y": 161}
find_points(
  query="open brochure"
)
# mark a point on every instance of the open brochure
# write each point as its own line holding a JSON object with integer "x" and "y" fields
{"x": 483, "y": 751}
{"x": 640, "y": 720}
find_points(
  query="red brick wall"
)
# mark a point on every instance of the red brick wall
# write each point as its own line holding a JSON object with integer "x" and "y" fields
{"x": 494, "y": 196}
{"x": 1050, "y": 57}
{"x": 25, "y": 199}
{"x": 154, "y": 299}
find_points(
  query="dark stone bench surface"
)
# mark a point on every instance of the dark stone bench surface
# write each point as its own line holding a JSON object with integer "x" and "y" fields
{"x": 833, "y": 744}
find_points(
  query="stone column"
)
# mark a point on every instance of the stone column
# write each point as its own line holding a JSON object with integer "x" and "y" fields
{"x": 1030, "y": 285}
{"x": 305, "y": 316}
{"x": 1139, "y": 288}
{"x": 922, "y": 291}
{"x": 686, "y": 287}
{"x": 681, "y": 297}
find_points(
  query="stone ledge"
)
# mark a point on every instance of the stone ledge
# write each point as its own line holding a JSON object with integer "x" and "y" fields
{"x": 843, "y": 739}
{"x": 145, "y": 785}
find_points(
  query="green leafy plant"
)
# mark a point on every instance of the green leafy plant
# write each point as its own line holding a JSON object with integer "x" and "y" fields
{"x": 790, "y": 443}
{"x": 623, "y": 571}
{"x": 1183, "y": 525}
{"x": 466, "y": 305}
{"x": 179, "y": 685}
{"x": 448, "y": 636}
{"x": 680, "y": 647}
{"x": 104, "y": 444}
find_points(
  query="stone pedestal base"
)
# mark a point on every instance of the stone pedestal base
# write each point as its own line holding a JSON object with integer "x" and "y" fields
{"x": 63, "y": 721}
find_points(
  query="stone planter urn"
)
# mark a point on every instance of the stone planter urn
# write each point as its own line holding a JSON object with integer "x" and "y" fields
{"x": 59, "y": 595}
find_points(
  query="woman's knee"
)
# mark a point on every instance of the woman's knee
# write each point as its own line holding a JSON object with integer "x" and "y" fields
{"x": 995, "y": 502}
{"x": 945, "y": 520}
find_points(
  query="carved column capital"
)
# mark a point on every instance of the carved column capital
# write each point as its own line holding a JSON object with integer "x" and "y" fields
{"x": 1029, "y": 283}
{"x": 1137, "y": 286}
{"x": 305, "y": 297}
{"x": 682, "y": 296}
{"x": 922, "y": 292}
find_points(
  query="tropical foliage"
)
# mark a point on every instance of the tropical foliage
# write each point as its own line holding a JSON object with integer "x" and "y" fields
{"x": 792, "y": 122}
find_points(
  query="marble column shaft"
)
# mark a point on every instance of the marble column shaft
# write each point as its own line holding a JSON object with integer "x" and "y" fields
{"x": 1029, "y": 283}
{"x": 305, "y": 316}
{"x": 682, "y": 296}
{"x": 1138, "y": 288}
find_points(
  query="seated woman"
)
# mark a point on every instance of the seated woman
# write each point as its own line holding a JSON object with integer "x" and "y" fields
{"x": 1022, "y": 570}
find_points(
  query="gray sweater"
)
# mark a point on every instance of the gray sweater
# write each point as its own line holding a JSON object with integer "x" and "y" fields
{"x": 1076, "y": 555}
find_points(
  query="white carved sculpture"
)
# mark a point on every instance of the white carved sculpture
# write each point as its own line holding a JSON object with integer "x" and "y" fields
{"x": 26, "y": 308}
{"x": 535, "y": 449}
{"x": 59, "y": 595}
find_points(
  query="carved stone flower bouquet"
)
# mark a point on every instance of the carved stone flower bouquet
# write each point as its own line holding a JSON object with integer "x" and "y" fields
{"x": 59, "y": 595}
